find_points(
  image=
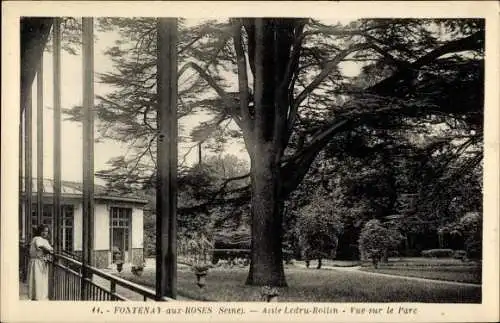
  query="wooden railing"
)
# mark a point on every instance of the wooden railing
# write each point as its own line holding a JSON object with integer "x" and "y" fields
{"x": 64, "y": 280}
{"x": 70, "y": 280}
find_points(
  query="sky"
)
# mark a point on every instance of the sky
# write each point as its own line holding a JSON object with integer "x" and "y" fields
{"x": 71, "y": 132}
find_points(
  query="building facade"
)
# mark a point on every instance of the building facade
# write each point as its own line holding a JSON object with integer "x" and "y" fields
{"x": 118, "y": 222}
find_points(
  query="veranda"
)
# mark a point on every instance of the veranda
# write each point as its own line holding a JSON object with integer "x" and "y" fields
{"x": 76, "y": 277}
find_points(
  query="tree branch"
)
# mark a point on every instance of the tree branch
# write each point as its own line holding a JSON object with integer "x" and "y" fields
{"x": 189, "y": 151}
{"x": 291, "y": 74}
{"x": 330, "y": 66}
{"x": 391, "y": 59}
{"x": 228, "y": 180}
{"x": 241, "y": 199}
{"x": 139, "y": 157}
{"x": 247, "y": 122}
{"x": 195, "y": 39}
{"x": 145, "y": 118}
{"x": 294, "y": 59}
{"x": 226, "y": 99}
{"x": 472, "y": 42}
{"x": 468, "y": 43}
{"x": 319, "y": 139}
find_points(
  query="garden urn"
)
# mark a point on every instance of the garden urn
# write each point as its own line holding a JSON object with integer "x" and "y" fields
{"x": 269, "y": 294}
{"x": 201, "y": 272}
{"x": 137, "y": 270}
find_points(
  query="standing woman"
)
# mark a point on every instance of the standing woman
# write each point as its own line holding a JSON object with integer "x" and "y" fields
{"x": 38, "y": 270}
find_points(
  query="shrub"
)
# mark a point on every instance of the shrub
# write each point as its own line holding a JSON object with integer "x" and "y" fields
{"x": 137, "y": 270}
{"x": 474, "y": 248}
{"x": 194, "y": 249}
{"x": 438, "y": 253}
{"x": 469, "y": 226}
{"x": 149, "y": 234}
{"x": 375, "y": 240}
{"x": 318, "y": 227}
{"x": 460, "y": 254}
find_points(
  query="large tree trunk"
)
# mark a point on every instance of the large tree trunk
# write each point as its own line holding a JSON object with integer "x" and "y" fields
{"x": 266, "y": 267}
{"x": 269, "y": 52}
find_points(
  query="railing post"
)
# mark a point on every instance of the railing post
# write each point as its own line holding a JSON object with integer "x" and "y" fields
{"x": 39, "y": 142}
{"x": 57, "y": 134}
{"x": 22, "y": 225}
{"x": 200, "y": 158}
{"x": 166, "y": 186}
{"x": 88, "y": 144}
{"x": 56, "y": 204}
{"x": 28, "y": 180}
{"x": 113, "y": 289}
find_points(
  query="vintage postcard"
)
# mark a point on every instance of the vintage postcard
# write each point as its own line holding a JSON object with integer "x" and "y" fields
{"x": 322, "y": 161}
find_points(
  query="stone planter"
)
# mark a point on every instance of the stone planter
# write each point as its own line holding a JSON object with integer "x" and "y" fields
{"x": 201, "y": 272}
{"x": 137, "y": 270}
{"x": 272, "y": 298}
{"x": 269, "y": 294}
{"x": 201, "y": 279}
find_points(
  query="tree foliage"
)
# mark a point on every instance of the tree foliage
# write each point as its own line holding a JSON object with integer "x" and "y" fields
{"x": 294, "y": 103}
{"x": 391, "y": 46}
{"x": 470, "y": 227}
{"x": 318, "y": 227}
{"x": 375, "y": 239}
{"x": 200, "y": 212}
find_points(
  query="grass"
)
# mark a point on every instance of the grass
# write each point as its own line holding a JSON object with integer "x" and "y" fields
{"x": 447, "y": 269}
{"x": 331, "y": 263}
{"x": 311, "y": 285}
{"x": 426, "y": 262}
{"x": 457, "y": 274}
{"x": 396, "y": 263}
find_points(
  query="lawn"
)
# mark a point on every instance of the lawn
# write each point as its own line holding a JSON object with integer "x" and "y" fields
{"x": 329, "y": 263}
{"x": 426, "y": 262}
{"x": 457, "y": 274}
{"x": 448, "y": 269}
{"x": 311, "y": 285}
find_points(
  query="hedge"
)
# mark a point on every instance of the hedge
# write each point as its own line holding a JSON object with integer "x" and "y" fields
{"x": 438, "y": 253}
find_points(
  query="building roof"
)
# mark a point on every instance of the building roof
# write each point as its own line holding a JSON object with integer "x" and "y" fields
{"x": 75, "y": 189}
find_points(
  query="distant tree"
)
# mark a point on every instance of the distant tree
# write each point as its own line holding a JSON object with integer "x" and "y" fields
{"x": 469, "y": 226}
{"x": 198, "y": 184}
{"x": 230, "y": 174}
{"x": 149, "y": 225}
{"x": 318, "y": 227}
{"x": 227, "y": 165}
{"x": 375, "y": 239}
